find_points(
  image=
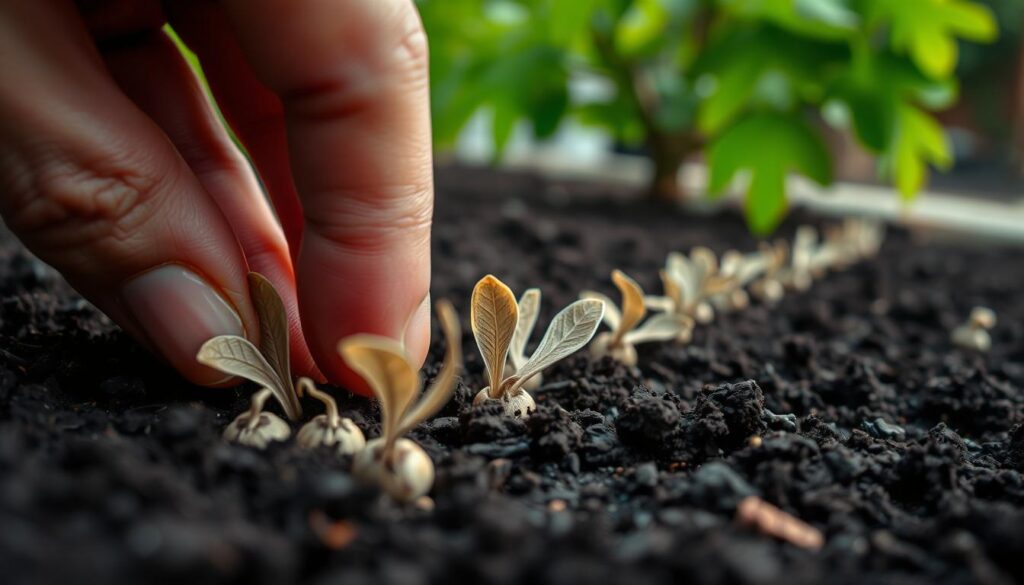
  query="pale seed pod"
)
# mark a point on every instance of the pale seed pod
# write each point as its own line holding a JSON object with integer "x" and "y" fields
{"x": 344, "y": 435}
{"x": 518, "y": 404}
{"x": 971, "y": 338}
{"x": 256, "y": 428}
{"x": 328, "y": 429}
{"x": 405, "y": 475}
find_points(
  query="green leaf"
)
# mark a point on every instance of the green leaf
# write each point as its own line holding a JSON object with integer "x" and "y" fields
{"x": 641, "y": 28}
{"x": 567, "y": 20}
{"x": 875, "y": 91}
{"x": 738, "y": 66}
{"x": 927, "y": 30}
{"x": 767, "y": 146}
{"x": 918, "y": 140}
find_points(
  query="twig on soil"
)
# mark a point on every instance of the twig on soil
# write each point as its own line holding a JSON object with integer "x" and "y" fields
{"x": 756, "y": 513}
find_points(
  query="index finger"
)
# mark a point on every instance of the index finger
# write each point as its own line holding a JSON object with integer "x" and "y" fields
{"x": 353, "y": 78}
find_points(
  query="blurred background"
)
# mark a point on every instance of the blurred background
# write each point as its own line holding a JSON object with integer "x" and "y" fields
{"x": 873, "y": 102}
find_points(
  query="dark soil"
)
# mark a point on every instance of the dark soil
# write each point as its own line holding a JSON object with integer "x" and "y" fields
{"x": 907, "y": 453}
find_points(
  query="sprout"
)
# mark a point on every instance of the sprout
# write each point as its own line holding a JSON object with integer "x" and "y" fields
{"x": 255, "y": 427}
{"x": 769, "y": 288}
{"x": 495, "y": 316}
{"x": 328, "y": 429}
{"x": 267, "y": 366}
{"x": 739, "y": 270}
{"x": 620, "y": 342}
{"x": 528, "y": 307}
{"x": 973, "y": 335}
{"x": 399, "y": 466}
{"x": 689, "y": 283}
{"x": 799, "y": 275}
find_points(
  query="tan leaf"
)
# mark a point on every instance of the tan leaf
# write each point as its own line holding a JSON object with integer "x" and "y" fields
{"x": 704, "y": 261}
{"x": 273, "y": 331}
{"x": 238, "y": 357}
{"x": 633, "y": 310}
{"x": 383, "y": 363}
{"x": 612, "y": 316}
{"x": 493, "y": 317}
{"x": 529, "y": 307}
{"x": 671, "y": 286}
{"x": 440, "y": 391}
{"x": 571, "y": 329}
{"x": 663, "y": 327}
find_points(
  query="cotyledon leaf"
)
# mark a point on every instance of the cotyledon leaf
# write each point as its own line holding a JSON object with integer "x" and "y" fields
{"x": 238, "y": 357}
{"x": 570, "y": 330}
{"x": 493, "y": 318}
{"x": 612, "y": 316}
{"x": 440, "y": 391}
{"x": 633, "y": 309}
{"x": 385, "y": 366}
{"x": 273, "y": 331}
{"x": 529, "y": 307}
{"x": 661, "y": 327}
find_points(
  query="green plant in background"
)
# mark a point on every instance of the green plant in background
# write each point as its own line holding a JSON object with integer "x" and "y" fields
{"x": 751, "y": 84}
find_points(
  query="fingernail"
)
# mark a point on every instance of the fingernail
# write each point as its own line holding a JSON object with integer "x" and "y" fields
{"x": 416, "y": 336}
{"x": 179, "y": 311}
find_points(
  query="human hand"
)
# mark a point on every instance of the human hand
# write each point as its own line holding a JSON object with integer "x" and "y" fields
{"x": 115, "y": 170}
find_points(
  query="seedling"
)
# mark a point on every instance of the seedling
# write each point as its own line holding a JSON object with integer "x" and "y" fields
{"x": 799, "y": 275}
{"x": 494, "y": 318}
{"x": 396, "y": 464}
{"x": 974, "y": 334}
{"x": 255, "y": 427}
{"x": 626, "y": 330}
{"x": 690, "y": 283}
{"x": 266, "y": 366}
{"x": 528, "y": 307}
{"x": 329, "y": 429}
{"x": 741, "y": 270}
{"x": 769, "y": 287}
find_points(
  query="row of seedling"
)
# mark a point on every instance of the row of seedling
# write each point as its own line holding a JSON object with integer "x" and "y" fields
{"x": 696, "y": 286}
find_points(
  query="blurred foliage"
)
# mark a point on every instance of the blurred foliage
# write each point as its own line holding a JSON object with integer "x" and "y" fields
{"x": 750, "y": 83}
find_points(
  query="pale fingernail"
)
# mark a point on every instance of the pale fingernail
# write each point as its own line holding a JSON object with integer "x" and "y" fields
{"x": 179, "y": 310}
{"x": 416, "y": 336}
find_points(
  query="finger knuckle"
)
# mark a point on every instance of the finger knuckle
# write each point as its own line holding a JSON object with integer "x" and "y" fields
{"x": 68, "y": 204}
{"x": 375, "y": 223}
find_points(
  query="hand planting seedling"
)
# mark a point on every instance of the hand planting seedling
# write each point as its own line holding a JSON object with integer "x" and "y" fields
{"x": 974, "y": 334}
{"x": 256, "y": 428}
{"x": 267, "y": 366}
{"x": 399, "y": 466}
{"x": 328, "y": 429}
{"x": 494, "y": 318}
{"x": 689, "y": 283}
{"x": 528, "y": 307}
{"x": 620, "y": 342}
